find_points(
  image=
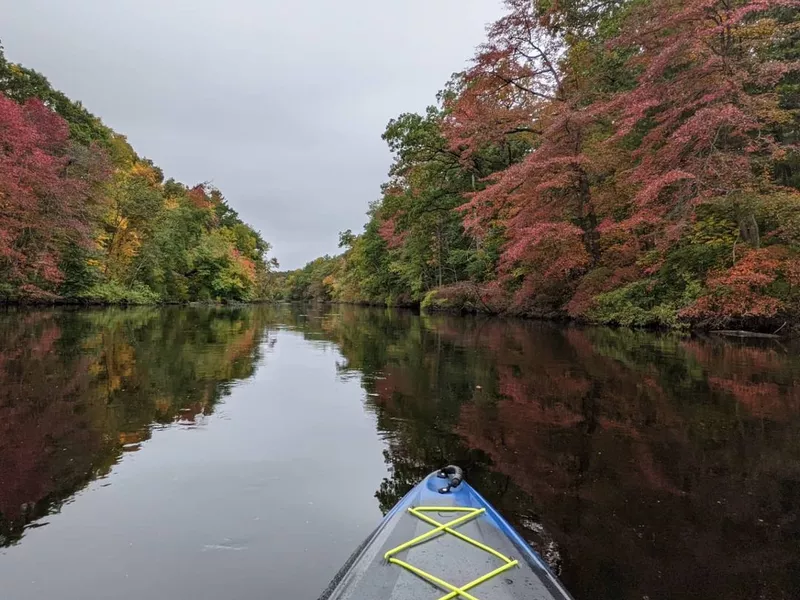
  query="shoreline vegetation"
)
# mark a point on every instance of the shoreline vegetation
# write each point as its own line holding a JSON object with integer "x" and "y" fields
{"x": 85, "y": 220}
{"x": 631, "y": 163}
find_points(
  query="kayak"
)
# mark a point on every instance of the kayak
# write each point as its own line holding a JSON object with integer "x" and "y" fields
{"x": 444, "y": 541}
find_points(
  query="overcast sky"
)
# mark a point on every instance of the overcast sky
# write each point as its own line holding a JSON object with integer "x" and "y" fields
{"x": 281, "y": 104}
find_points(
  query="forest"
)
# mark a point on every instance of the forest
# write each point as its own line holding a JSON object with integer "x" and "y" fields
{"x": 630, "y": 162}
{"x": 83, "y": 218}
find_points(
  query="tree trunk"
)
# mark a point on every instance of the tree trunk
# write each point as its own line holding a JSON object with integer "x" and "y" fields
{"x": 439, "y": 246}
{"x": 748, "y": 229}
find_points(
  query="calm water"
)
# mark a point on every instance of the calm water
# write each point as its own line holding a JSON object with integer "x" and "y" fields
{"x": 240, "y": 454}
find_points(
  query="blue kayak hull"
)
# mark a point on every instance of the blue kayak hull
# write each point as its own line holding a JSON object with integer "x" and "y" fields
{"x": 480, "y": 542}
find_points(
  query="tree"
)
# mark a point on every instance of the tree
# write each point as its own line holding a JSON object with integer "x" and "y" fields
{"x": 701, "y": 122}
{"x": 519, "y": 92}
{"x": 82, "y": 216}
{"x": 43, "y": 207}
{"x": 21, "y": 84}
{"x": 704, "y": 106}
{"x": 416, "y": 213}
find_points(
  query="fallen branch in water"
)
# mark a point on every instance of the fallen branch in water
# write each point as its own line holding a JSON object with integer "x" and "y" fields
{"x": 747, "y": 334}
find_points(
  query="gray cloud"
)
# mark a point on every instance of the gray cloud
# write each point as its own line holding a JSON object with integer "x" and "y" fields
{"x": 281, "y": 104}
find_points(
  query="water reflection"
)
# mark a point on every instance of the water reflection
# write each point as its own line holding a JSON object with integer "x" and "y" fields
{"x": 78, "y": 388}
{"x": 638, "y": 464}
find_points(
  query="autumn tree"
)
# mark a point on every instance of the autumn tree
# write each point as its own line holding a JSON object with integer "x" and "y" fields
{"x": 520, "y": 93}
{"x": 22, "y": 84}
{"x": 44, "y": 197}
{"x": 702, "y": 123}
{"x": 83, "y": 217}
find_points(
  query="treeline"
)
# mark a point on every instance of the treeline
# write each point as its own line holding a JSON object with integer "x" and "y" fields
{"x": 626, "y": 161}
{"x": 83, "y": 217}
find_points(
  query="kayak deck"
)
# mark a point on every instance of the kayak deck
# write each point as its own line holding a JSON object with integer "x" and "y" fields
{"x": 445, "y": 546}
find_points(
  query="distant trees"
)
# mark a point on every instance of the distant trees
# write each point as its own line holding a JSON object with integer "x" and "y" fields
{"x": 314, "y": 282}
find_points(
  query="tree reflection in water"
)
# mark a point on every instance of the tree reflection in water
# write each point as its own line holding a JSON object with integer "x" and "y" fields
{"x": 77, "y": 388}
{"x": 638, "y": 464}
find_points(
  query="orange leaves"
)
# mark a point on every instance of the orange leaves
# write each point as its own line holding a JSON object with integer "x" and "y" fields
{"x": 245, "y": 265}
{"x": 791, "y": 272}
{"x": 741, "y": 291}
{"x": 199, "y": 198}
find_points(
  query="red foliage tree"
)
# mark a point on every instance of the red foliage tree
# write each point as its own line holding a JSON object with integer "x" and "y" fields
{"x": 200, "y": 197}
{"x": 42, "y": 206}
{"x": 519, "y": 90}
{"x": 620, "y": 168}
{"x": 388, "y": 230}
{"x": 704, "y": 105}
{"x": 703, "y": 116}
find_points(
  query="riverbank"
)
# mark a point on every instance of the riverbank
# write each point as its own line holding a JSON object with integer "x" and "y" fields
{"x": 89, "y": 221}
{"x": 127, "y": 302}
{"x": 585, "y": 205}
{"x": 467, "y": 300}
{"x": 446, "y": 301}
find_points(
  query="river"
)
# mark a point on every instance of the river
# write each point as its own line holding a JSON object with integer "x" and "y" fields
{"x": 243, "y": 453}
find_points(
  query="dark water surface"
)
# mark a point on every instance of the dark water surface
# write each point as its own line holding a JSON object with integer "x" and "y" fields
{"x": 243, "y": 453}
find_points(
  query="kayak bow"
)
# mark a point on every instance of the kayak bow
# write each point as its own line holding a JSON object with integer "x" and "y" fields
{"x": 444, "y": 541}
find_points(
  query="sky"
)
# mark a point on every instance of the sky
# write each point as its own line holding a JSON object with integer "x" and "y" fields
{"x": 280, "y": 104}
